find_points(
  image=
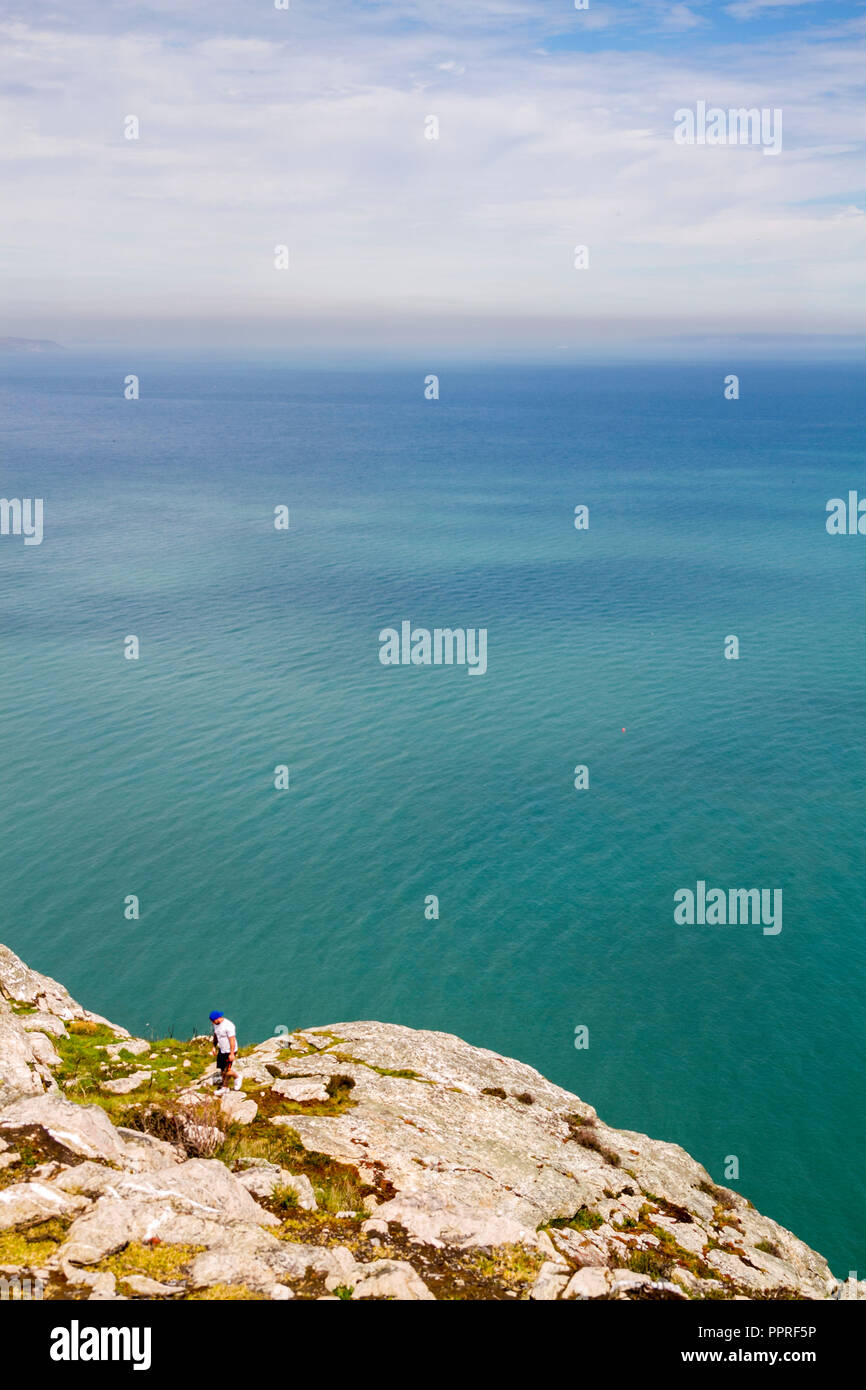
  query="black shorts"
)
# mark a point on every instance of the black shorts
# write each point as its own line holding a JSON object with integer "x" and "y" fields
{"x": 223, "y": 1060}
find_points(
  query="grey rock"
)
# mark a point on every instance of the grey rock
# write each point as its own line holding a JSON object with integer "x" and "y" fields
{"x": 591, "y": 1282}
{"x": 76, "y": 1131}
{"x": 114, "y": 1222}
{"x": 550, "y": 1282}
{"x": 44, "y": 1023}
{"x": 124, "y": 1084}
{"x": 200, "y": 1187}
{"x": 44, "y": 1050}
{"x": 22, "y": 1072}
{"x": 86, "y": 1179}
{"x": 150, "y": 1288}
{"x": 392, "y": 1279}
{"x": 301, "y": 1089}
{"x": 135, "y": 1046}
{"x": 432, "y": 1221}
{"x": 146, "y": 1151}
{"x": 25, "y": 986}
{"x": 238, "y": 1108}
{"x": 25, "y": 1204}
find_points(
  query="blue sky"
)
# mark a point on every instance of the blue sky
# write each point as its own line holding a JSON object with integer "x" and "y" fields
{"x": 306, "y": 128}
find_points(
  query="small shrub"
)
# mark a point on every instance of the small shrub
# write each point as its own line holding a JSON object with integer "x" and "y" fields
{"x": 720, "y": 1195}
{"x": 525, "y": 1098}
{"x": 591, "y": 1141}
{"x": 650, "y": 1262}
{"x": 283, "y": 1199}
{"x": 83, "y": 1027}
{"x": 338, "y": 1087}
{"x": 496, "y": 1091}
{"x": 199, "y": 1130}
{"x": 769, "y": 1248}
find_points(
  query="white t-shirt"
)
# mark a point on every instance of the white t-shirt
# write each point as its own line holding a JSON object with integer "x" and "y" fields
{"x": 224, "y": 1031}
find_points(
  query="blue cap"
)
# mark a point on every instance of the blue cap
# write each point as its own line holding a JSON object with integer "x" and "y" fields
{"x": 217, "y": 1013}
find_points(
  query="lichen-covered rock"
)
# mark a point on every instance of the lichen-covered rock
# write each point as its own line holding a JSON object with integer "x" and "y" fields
{"x": 44, "y": 1023}
{"x": 73, "y": 1131}
{"x": 21, "y": 1072}
{"x": 25, "y": 1204}
{"x": 25, "y": 986}
{"x": 463, "y": 1159}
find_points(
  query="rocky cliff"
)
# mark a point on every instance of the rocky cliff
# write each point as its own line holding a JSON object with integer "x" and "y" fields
{"x": 361, "y": 1160}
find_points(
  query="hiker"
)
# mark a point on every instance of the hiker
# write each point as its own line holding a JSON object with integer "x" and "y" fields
{"x": 225, "y": 1045}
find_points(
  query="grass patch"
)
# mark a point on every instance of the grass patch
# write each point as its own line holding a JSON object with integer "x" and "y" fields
{"x": 402, "y": 1073}
{"x": 339, "y": 1100}
{"x": 668, "y": 1253}
{"x": 336, "y": 1185}
{"x": 283, "y": 1199}
{"x": 166, "y": 1263}
{"x": 86, "y": 1065}
{"x": 583, "y": 1220}
{"x": 224, "y": 1293}
{"x": 19, "y": 1171}
{"x": 511, "y": 1266}
{"x": 656, "y": 1264}
{"x": 32, "y": 1247}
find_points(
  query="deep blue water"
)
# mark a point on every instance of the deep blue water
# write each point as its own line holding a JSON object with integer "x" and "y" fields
{"x": 259, "y": 648}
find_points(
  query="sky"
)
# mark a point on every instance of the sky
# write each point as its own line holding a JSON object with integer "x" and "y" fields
{"x": 305, "y": 128}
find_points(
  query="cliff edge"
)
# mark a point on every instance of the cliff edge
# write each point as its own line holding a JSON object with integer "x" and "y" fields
{"x": 361, "y": 1160}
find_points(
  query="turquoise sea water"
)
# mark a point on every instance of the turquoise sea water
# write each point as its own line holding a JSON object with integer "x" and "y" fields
{"x": 261, "y": 647}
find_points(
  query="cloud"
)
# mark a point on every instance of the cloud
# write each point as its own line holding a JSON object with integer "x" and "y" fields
{"x": 315, "y": 138}
{"x": 754, "y": 9}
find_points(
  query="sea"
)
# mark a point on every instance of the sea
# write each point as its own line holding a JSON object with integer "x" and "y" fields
{"x": 431, "y": 861}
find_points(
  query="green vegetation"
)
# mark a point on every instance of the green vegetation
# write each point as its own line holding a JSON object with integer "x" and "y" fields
{"x": 583, "y": 1220}
{"x": 86, "y": 1065}
{"x": 336, "y": 1185}
{"x": 511, "y": 1266}
{"x": 223, "y": 1293}
{"x": 667, "y": 1254}
{"x": 153, "y": 1260}
{"x": 32, "y": 1247}
{"x": 720, "y": 1195}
